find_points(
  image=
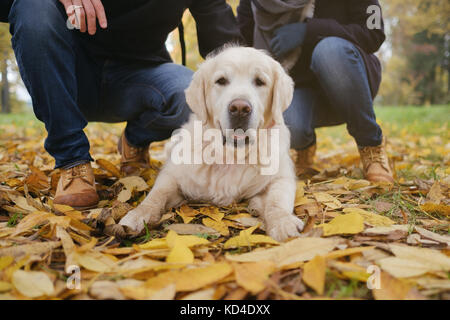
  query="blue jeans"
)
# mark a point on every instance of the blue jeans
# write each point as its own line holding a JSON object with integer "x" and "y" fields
{"x": 69, "y": 86}
{"x": 343, "y": 96}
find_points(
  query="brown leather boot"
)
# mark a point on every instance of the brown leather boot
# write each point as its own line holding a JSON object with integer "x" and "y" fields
{"x": 305, "y": 159}
{"x": 375, "y": 163}
{"x": 133, "y": 158}
{"x": 76, "y": 188}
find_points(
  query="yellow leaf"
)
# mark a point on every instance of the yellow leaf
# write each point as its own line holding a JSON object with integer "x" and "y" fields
{"x": 436, "y": 208}
{"x": 218, "y": 226}
{"x": 253, "y": 276}
{"x": 300, "y": 192}
{"x": 373, "y": 219}
{"x": 32, "y": 284}
{"x": 38, "y": 218}
{"x": 212, "y": 212}
{"x": 351, "y": 223}
{"x": 134, "y": 183}
{"x": 180, "y": 253}
{"x": 412, "y": 261}
{"x": 391, "y": 288}
{"x": 346, "y": 252}
{"x": 189, "y": 241}
{"x": 294, "y": 251}
{"x": 21, "y": 202}
{"x": 246, "y": 239}
{"x": 187, "y": 213}
{"x": 5, "y": 262}
{"x": 108, "y": 166}
{"x": 191, "y": 279}
{"x": 5, "y": 286}
{"x": 69, "y": 211}
{"x": 36, "y": 248}
{"x": 154, "y": 244}
{"x": 94, "y": 261}
{"x": 314, "y": 274}
{"x": 67, "y": 244}
{"x": 300, "y": 201}
{"x": 328, "y": 200}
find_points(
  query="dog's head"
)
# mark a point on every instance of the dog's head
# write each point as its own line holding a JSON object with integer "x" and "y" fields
{"x": 240, "y": 88}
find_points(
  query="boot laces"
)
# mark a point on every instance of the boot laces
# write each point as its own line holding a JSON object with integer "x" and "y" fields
{"x": 78, "y": 172}
{"x": 372, "y": 155}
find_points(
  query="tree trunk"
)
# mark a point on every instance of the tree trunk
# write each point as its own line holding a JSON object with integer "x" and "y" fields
{"x": 5, "y": 100}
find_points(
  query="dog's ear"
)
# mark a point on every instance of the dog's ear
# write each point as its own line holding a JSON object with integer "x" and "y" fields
{"x": 196, "y": 94}
{"x": 282, "y": 92}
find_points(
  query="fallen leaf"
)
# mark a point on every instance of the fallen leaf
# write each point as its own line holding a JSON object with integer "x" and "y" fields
{"x": 212, "y": 212}
{"x": 219, "y": 226}
{"x": 94, "y": 261}
{"x": 370, "y": 218}
{"x": 247, "y": 239}
{"x": 187, "y": 213}
{"x": 253, "y": 276}
{"x": 351, "y": 223}
{"x": 412, "y": 261}
{"x": 180, "y": 253}
{"x": 32, "y": 284}
{"x": 108, "y": 166}
{"x": 433, "y": 236}
{"x": 37, "y": 248}
{"x": 314, "y": 274}
{"x": 192, "y": 229}
{"x": 294, "y": 251}
{"x": 328, "y": 200}
{"x": 392, "y": 289}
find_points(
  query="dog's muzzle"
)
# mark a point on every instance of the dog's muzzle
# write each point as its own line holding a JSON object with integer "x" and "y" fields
{"x": 239, "y": 111}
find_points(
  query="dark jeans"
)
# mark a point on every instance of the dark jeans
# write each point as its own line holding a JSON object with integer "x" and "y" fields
{"x": 343, "y": 96}
{"x": 69, "y": 87}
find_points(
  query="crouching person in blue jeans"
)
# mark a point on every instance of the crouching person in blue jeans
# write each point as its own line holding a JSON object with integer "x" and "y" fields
{"x": 106, "y": 60}
{"x": 328, "y": 50}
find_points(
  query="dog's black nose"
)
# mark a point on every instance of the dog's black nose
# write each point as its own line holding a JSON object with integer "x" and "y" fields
{"x": 239, "y": 108}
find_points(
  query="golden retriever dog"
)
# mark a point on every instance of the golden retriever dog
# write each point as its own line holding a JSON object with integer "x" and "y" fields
{"x": 237, "y": 97}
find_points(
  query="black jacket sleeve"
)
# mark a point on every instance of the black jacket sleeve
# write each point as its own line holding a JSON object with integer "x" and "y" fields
{"x": 216, "y": 24}
{"x": 357, "y": 31}
{"x": 5, "y": 7}
{"x": 245, "y": 21}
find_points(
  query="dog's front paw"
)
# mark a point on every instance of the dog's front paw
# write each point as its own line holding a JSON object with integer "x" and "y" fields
{"x": 284, "y": 228}
{"x": 135, "y": 220}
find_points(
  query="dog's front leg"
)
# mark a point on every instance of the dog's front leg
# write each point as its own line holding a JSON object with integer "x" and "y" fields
{"x": 278, "y": 215}
{"x": 164, "y": 195}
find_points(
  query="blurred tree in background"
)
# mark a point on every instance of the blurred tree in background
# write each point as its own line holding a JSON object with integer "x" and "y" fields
{"x": 416, "y": 57}
{"x": 8, "y": 66}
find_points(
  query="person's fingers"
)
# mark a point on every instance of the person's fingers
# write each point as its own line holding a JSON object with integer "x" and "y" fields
{"x": 80, "y": 14}
{"x": 66, "y": 4}
{"x": 91, "y": 17}
{"x": 100, "y": 12}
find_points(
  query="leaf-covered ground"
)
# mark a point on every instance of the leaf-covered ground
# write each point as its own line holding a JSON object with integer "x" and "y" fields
{"x": 396, "y": 239}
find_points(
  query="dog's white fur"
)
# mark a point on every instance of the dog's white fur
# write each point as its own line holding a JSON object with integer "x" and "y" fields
{"x": 271, "y": 196}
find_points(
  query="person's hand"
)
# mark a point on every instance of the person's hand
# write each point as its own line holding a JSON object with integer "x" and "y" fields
{"x": 83, "y": 14}
{"x": 287, "y": 38}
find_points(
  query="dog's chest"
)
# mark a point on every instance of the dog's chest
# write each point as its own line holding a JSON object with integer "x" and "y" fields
{"x": 223, "y": 184}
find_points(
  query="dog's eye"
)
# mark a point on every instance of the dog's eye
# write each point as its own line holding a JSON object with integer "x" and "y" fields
{"x": 222, "y": 81}
{"x": 259, "y": 82}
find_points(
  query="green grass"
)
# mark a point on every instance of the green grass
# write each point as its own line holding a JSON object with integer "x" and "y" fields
{"x": 425, "y": 121}
{"x": 23, "y": 119}
{"x": 421, "y": 120}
